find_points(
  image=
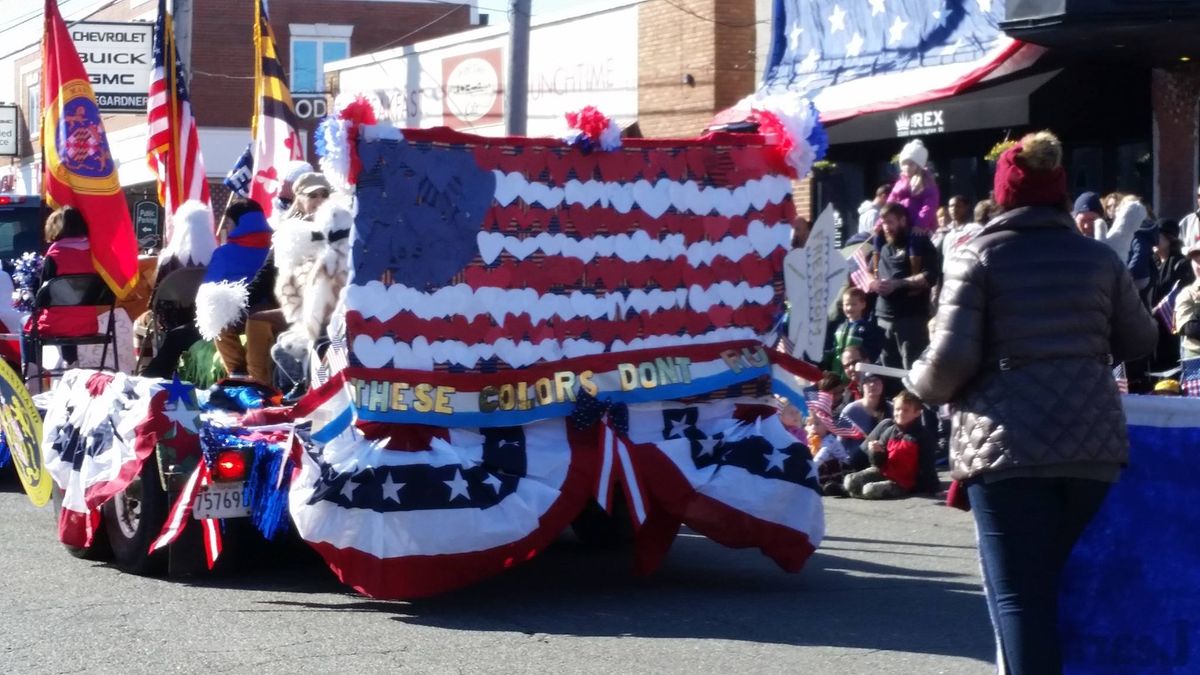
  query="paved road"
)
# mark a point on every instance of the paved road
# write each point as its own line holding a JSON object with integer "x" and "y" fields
{"x": 893, "y": 590}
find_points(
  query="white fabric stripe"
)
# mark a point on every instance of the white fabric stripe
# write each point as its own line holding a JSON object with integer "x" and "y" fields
{"x": 759, "y": 239}
{"x": 632, "y": 487}
{"x": 442, "y": 531}
{"x": 603, "y": 491}
{"x": 423, "y": 355}
{"x": 376, "y": 301}
{"x": 652, "y": 198}
{"x": 179, "y": 512}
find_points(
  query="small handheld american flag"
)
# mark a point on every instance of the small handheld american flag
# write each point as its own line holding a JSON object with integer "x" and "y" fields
{"x": 1165, "y": 309}
{"x": 862, "y": 277}
{"x": 1189, "y": 377}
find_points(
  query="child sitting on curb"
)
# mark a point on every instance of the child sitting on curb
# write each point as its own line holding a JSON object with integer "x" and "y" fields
{"x": 829, "y": 456}
{"x": 894, "y": 447}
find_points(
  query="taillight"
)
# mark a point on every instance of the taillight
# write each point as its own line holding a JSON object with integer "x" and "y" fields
{"x": 5, "y": 200}
{"x": 230, "y": 465}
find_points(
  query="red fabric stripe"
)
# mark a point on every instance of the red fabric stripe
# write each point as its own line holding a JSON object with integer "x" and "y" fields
{"x": 547, "y": 274}
{"x": 406, "y": 327}
{"x": 590, "y": 221}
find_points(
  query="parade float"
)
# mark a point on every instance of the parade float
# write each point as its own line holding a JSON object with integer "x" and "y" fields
{"x": 530, "y": 328}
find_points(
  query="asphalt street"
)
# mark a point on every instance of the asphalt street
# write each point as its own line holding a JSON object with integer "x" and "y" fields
{"x": 894, "y": 589}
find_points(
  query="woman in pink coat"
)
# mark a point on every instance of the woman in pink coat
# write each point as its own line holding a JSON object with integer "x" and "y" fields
{"x": 916, "y": 189}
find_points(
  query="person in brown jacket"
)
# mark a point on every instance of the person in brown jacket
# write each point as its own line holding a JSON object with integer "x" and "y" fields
{"x": 1030, "y": 320}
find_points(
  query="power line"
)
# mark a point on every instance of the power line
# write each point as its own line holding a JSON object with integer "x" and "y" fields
{"x": 89, "y": 15}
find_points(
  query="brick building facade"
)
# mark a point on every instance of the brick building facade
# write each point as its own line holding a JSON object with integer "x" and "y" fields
{"x": 221, "y": 66}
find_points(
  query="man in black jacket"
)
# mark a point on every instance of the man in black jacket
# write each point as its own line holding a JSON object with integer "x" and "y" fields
{"x": 906, "y": 267}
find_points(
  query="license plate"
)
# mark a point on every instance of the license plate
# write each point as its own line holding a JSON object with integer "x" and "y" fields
{"x": 223, "y": 500}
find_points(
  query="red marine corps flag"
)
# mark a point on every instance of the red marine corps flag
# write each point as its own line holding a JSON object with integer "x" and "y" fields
{"x": 79, "y": 169}
{"x": 273, "y": 127}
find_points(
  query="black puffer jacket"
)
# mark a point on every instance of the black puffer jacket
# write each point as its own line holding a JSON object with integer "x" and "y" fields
{"x": 1028, "y": 319}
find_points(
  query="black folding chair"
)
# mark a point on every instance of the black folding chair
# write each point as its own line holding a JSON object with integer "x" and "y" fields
{"x": 174, "y": 301}
{"x": 70, "y": 290}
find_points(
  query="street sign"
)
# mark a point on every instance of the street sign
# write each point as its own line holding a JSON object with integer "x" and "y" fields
{"x": 147, "y": 224}
{"x": 118, "y": 60}
{"x": 9, "y": 145}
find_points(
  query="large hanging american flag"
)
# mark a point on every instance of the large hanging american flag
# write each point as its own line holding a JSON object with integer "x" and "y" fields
{"x": 173, "y": 143}
{"x": 498, "y": 277}
{"x": 852, "y": 57}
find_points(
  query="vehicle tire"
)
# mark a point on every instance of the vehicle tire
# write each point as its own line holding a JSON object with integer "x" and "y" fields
{"x": 99, "y": 550}
{"x": 133, "y": 518}
{"x": 598, "y": 529}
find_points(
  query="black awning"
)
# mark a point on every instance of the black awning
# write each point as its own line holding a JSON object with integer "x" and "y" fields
{"x": 1001, "y": 105}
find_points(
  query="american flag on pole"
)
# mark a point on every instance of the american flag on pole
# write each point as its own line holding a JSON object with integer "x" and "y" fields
{"x": 273, "y": 127}
{"x": 1189, "y": 377}
{"x": 1165, "y": 309}
{"x": 821, "y": 405}
{"x": 1121, "y": 378}
{"x": 173, "y": 143}
{"x": 855, "y": 57}
{"x": 861, "y": 277}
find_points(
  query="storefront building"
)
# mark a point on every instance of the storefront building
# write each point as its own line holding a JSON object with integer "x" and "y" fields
{"x": 220, "y": 59}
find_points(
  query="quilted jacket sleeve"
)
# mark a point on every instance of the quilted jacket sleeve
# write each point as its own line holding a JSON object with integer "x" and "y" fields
{"x": 1134, "y": 331}
{"x": 955, "y": 351}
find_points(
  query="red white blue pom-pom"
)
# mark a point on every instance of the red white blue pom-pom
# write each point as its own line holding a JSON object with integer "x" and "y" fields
{"x": 794, "y": 126}
{"x": 337, "y": 137}
{"x": 591, "y": 129}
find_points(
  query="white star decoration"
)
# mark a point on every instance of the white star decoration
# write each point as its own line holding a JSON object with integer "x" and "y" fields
{"x": 708, "y": 446}
{"x": 896, "y": 32}
{"x": 493, "y": 481}
{"x": 348, "y": 489}
{"x": 458, "y": 486}
{"x": 812, "y": 471}
{"x": 776, "y": 459}
{"x": 877, "y": 7}
{"x": 810, "y": 61}
{"x": 985, "y": 5}
{"x": 797, "y": 31}
{"x": 837, "y": 20}
{"x": 391, "y": 489}
{"x": 677, "y": 428}
{"x": 854, "y": 48}
{"x": 182, "y": 416}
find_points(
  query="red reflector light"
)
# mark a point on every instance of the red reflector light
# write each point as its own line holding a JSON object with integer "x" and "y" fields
{"x": 5, "y": 200}
{"x": 229, "y": 466}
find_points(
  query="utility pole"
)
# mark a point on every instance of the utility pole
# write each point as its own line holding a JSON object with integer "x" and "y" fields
{"x": 516, "y": 100}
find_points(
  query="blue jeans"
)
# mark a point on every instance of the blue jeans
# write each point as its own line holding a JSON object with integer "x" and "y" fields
{"x": 1027, "y": 528}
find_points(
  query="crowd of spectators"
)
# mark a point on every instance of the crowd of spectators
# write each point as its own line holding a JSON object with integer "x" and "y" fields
{"x": 880, "y": 450}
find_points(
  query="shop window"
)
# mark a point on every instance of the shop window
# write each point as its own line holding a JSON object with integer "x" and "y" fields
{"x": 1135, "y": 170}
{"x": 312, "y": 46}
{"x": 33, "y": 108}
{"x": 1086, "y": 169}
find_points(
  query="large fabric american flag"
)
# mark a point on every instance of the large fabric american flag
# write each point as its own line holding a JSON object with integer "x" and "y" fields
{"x": 173, "y": 143}
{"x": 474, "y": 256}
{"x": 857, "y": 56}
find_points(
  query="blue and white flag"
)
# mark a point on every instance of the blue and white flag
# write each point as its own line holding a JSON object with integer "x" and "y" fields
{"x": 857, "y": 56}
{"x": 239, "y": 177}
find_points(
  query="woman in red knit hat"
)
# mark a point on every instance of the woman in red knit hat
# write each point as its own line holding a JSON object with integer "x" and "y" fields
{"x": 1030, "y": 320}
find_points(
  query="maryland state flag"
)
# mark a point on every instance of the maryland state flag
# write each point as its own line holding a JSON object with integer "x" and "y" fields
{"x": 273, "y": 128}
{"x": 78, "y": 167}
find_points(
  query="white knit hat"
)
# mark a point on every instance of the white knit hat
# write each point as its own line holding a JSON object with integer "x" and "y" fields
{"x": 294, "y": 169}
{"x": 916, "y": 152}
